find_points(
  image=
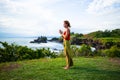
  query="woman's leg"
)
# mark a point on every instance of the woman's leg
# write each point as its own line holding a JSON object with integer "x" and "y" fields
{"x": 67, "y": 61}
{"x": 71, "y": 62}
{"x": 67, "y": 52}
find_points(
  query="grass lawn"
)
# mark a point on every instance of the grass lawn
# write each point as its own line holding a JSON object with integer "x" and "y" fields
{"x": 96, "y": 68}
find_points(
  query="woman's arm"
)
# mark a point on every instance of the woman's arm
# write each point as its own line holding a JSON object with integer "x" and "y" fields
{"x": 67, "y": 33}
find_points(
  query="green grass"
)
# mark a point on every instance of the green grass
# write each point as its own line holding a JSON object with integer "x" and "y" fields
{"x": 97, "y": 68}
{"x": 108, "y": 39}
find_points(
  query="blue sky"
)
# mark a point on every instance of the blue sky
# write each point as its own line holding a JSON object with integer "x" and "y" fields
{"x": 45, "y": 17}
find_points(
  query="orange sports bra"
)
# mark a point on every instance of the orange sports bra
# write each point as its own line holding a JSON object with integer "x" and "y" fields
{"x": 68, "y": 37}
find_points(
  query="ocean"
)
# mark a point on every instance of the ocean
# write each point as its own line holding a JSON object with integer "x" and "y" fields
{"x": 56, "y": 47}
{"x": 53, "y": 46}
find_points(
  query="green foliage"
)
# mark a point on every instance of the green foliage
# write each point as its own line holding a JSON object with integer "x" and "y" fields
{"x": 78, "y": 35}
{"x": 48, "y": 53}
{"x": 104, "y": 40}
{"x": 115, "y": 33}
{"x": 85, "y": 50}
{"x": 114, "y": 51}
{"x": 109, "y": 42}
{"x": 15, "y": 52}
{"x": 106, "y": 33}
{"x": 96, "y": 34}
{"x": 99, "y": 53}
{"x": 75, "y": 50}
{"x": 61, "y": 54}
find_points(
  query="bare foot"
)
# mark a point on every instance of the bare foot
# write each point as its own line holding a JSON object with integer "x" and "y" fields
{"x": 67, "y": 67}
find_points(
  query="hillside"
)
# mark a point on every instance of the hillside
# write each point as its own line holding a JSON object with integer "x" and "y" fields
{"x": 107, "y": 33}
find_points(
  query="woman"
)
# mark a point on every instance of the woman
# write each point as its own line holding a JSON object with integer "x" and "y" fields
{"x": 66, "y": 38}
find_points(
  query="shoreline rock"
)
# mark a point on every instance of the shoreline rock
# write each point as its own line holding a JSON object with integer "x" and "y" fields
{"x": 41, "y": 39}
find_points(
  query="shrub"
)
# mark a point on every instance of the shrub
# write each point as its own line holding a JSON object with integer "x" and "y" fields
{"x": 85, "y": 50}
{"x": 15, "y": 52}
{"x": 99, "y": 53}
{"x": 114, "y": 51}
{"x": 61, "y": 54}
{"x": 75, "y": 51}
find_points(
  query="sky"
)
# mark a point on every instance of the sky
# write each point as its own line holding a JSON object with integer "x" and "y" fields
{"x": 45, "y": 17}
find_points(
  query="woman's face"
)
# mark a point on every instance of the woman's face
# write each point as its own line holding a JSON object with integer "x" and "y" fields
{"x": 65, "y": 25}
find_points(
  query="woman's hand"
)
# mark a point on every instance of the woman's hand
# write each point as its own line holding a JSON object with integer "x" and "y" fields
{"x": 61, "y": 32}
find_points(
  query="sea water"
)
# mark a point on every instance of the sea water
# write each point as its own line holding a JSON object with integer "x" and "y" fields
{"x": 53, "y": 46}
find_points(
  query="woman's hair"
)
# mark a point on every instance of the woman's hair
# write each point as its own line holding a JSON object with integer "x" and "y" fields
{"x": 67, "y": 22}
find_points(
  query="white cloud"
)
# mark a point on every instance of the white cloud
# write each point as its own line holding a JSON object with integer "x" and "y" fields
{"x": 28, "y": 16}
{"x": 44, "y": 17}
{"x": 99, "y": 7}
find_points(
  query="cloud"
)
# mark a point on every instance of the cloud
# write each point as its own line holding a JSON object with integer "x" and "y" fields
{"x": 44, "y": 17}
{"x": 100, "y": 7}
{"x": 103, "y": 14}
{"x": 27, "y": 16}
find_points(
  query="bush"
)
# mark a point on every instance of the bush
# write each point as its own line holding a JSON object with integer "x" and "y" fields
{"x": 15, "y": 52}
{"x": 85, "y": 50}
{"x": 99, "y": 53}
{"x": 75, "y": 51}
{"x": 48, "y": 53}
{"x": 114, "y": 51}
{"x": 61, "y": 54}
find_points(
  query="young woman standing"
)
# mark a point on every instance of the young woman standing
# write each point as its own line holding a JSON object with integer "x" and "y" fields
{"x": 66, "y": 38}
